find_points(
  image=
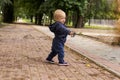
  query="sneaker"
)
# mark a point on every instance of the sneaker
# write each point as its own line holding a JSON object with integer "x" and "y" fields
{"x": 63, "y": 64}
{"x": 50, "y": 61}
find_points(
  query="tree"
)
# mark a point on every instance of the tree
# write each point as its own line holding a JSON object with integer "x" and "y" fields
{"x": 30, "y": 9}
{"x": 7, "y": 7}
{"x": 80, "y": 7}
{"x": 76, "y": 6}
{"x": 79, "y": 11}
{"x": 103, "y": 9}
{"x": 51, "y": 5}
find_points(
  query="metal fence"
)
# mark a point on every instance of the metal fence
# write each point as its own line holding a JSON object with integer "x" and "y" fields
{"x": 103, "y": 22}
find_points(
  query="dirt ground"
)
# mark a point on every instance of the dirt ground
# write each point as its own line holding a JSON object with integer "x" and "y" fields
{"x": 22, "y": 57}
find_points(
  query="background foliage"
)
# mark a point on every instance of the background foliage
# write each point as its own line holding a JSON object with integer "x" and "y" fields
{"x": 78, "y": 11}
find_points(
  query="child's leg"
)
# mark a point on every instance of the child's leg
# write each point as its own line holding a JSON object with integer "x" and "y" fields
{"x": 61, "y": 59}
{"x": 51, "y": 55}
{"x": 61, "y": 56}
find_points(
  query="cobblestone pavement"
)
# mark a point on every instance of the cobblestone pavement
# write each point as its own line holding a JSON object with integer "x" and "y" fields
{"x": 23, "y": 51}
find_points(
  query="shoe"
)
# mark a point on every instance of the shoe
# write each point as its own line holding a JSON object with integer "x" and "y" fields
{"x": 50, "y": 61}
{"x": 63, "y": 64}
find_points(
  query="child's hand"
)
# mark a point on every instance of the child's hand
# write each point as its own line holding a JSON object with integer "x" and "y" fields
{"x": 72, "y": 34}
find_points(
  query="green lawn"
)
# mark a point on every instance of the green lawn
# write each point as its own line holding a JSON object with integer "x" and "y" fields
{"x": 99, "y": 27}
{"x": 2, "y": 25}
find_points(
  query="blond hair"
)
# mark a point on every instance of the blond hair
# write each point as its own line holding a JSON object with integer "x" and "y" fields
{"x": 58, "y": 14}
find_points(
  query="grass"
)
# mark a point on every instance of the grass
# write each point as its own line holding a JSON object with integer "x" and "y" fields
{"x": 2, "y": 25}
{"x": 96, "y": 27}
{"x": 26, "y": 20}
{"x": 99, "y": 27}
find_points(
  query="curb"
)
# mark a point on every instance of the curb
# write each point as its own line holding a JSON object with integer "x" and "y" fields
{"x": 91, "y": 58}
{"x": 113, "y": 43}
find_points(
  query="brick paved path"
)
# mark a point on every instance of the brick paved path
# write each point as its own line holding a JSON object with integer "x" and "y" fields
{"x": 23, "y": 51}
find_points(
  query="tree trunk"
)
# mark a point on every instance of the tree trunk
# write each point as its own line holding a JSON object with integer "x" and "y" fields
{"x": 89, "y": 22}
{"x": 35, "y": 18}
{"x": 80, "y": 22}
{"x": 40, "y": 19}
{"x": 31, "y": 18}
{"x": 51, "y": 16}
{"x": 74, "y": 20}
{"x": 8, "y": 12}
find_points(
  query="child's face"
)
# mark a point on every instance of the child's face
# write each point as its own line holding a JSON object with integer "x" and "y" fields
{"x": 62, "y": 20}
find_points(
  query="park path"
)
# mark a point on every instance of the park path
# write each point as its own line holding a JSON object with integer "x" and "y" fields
{"x": 23, "y": 50}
